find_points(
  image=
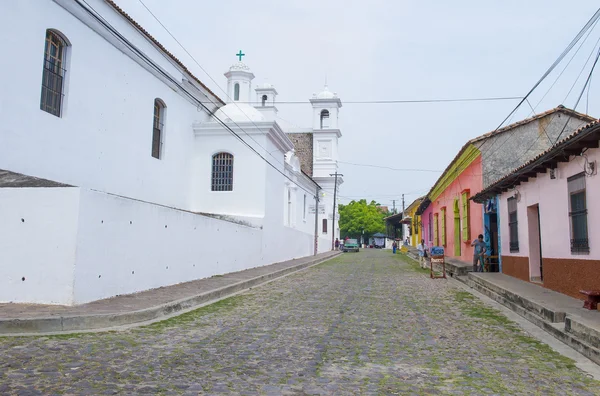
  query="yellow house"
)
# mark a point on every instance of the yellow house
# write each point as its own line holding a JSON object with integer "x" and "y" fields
{"x": 414, "y": 221}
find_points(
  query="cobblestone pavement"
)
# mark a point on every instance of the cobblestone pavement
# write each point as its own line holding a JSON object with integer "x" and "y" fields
{"x": 365, "y": 323}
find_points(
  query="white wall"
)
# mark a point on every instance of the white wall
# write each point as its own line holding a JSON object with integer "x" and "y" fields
{"x": 160, "y": 245}
{"x": 38, "y": 228}
{"x": 103, "y": 140}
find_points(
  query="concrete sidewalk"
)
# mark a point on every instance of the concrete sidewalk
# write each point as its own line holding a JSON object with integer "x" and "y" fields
{"x": 560, "y": 315}
{"x": 144, "y": 306}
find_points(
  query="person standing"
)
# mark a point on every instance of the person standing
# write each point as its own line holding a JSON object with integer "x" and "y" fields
{"x": 394, "y": 246}
{"x": 337, "y": 244}
{"x": 478, "y": 253}
{"x": 422, "y": 248}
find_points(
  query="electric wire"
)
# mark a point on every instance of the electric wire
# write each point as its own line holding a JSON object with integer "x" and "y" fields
{"x": 133, "y": 48}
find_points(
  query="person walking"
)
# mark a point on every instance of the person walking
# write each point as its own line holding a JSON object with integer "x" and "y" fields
{"x": 394, "y": 246}
{"x": 422, "y": 248}
{"x": 478, "y": 253}
{"x": 337, "y": 244}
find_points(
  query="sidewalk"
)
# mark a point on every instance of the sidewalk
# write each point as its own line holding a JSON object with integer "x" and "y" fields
{"x": 560, "y": 315}
{"x": 144, "y": 306}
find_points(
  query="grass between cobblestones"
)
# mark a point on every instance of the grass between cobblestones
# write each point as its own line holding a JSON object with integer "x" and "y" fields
{"x": 366, "y": 323}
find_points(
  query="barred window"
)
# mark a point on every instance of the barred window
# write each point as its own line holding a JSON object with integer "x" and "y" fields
{"x": 222, "y": 172}
{"x": 513, "y": 225}
{"x": 430, "y": 228}
{"x": 443, "y": 226}
{"x": 158, "y": 126}
{"x": 578, "y": 214}
{"x": 324, "y": 226}
{"x": 53, "y": 73}
{"x": 436, "y": 230}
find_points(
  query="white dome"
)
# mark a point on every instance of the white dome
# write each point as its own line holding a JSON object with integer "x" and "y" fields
{"x": 239, "y": 112}
{"x": 326, "y": 94}
{"x": 240, "y": 66}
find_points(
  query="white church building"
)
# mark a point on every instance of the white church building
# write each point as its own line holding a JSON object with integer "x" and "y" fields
{"x": 120, "y": 171}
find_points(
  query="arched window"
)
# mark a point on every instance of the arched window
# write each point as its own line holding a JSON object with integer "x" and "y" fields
{"x": 264, "y": 100}
{"x": 222, "y": 172}
{"x": 53, "y": 73}
{"x": 236, "y": 91}
{"x": 158, "y": 128}
{"x": 324, "y": 119}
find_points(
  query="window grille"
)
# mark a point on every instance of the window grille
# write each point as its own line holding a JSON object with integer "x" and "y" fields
{"x": 513, "y": 225}
{"x": 222, "y": 172}
{"x": 430, "y": 228}
{"x": 578, "y": 214}
{"x": 324, "y": 226}
{"x": 157, "y": 128}
{"x": 53, "y": 74}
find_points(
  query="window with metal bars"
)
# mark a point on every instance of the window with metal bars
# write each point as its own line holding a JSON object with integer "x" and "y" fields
{"x": 158, "y": 128}
{"x": 513, "y": 225}
{"x": 430, "y": 228}
{"x": 578, "y": 214}
{"x": 53, "y": 74}
{"x": 222, "y": 172}
{"x": 324, "y": 226}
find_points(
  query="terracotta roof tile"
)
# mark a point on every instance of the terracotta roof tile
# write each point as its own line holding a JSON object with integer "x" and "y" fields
{"x": 160, "y": 46}
{"x": 555, "y": 149}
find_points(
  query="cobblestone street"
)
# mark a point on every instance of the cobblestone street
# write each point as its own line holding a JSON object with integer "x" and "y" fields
{"x": 366, "y": 323}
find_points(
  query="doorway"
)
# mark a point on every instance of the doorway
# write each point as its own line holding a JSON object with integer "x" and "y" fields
{"x": 536, "y": 264}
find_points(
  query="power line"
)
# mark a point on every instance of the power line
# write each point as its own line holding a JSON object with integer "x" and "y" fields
{"x": 390, "y": 168}
{"x": 573, "y": 42}
{"x": 119, "y": 36}
{"x": 408, "y": 101}
{"x": 212, "y": 79}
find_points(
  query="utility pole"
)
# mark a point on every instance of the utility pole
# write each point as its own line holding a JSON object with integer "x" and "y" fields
{"x": 402, "y": 203}
{"x": 317, "y": 220}
{"x": 334, "y": 203}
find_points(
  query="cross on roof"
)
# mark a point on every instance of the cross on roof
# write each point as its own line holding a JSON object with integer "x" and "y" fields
{"x": 239, "y": 55}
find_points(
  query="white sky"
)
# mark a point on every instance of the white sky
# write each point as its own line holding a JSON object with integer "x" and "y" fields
{"x": 388, "y": 50}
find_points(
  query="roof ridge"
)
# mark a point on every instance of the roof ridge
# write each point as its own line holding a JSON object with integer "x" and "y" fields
{"x": 160, "y": 46}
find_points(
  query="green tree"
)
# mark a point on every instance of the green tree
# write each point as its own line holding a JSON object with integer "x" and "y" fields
{"x": 359, "y": 216}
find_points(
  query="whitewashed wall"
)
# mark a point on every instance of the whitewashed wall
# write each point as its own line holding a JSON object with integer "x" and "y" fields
{"x": 103, "y": 140}
{"x": 38, "y": 228}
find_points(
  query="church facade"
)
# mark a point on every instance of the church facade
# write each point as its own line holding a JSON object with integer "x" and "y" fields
{"x": 120, "y": 171}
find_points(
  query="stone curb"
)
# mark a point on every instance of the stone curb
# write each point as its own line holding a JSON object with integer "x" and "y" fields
{"x": 37, "y": 326}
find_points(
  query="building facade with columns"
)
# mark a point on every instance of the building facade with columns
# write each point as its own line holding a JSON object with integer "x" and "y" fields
{"x": 121, "y": 171}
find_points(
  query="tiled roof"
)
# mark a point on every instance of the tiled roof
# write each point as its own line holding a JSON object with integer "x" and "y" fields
{"x": 590, "y": 131}
{"x": 160, "y": 46}
{"x": 507, "y": 128}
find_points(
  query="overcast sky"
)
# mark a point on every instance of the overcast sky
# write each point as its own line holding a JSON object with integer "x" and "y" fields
{"x": 388, "y": 50}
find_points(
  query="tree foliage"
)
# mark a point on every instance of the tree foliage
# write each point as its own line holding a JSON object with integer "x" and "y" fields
{"x": 359, "y": 216}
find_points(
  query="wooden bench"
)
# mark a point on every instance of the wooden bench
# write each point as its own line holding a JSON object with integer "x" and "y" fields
{"x": 593, "y": 298}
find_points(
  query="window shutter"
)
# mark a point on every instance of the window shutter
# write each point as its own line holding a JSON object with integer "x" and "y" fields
{"x": 436, "y": 234}
{"x": 443, "y": 242}
{"x": 466, "y": 228}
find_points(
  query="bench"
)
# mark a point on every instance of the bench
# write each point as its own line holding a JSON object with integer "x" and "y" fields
{"x": 593, "y": 298}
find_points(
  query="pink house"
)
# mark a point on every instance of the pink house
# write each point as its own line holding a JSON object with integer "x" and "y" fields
{"x": 549, "y": 217}
{"x": 449, "y": 217}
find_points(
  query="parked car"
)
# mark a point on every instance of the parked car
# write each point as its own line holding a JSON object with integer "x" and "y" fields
{"x": 351, "y": 245}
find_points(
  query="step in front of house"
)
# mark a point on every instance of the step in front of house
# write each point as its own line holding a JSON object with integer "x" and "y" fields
{"x": 583, "y": 331}
{"x": 549, "y": 314}
{"x": 581, "y": 338}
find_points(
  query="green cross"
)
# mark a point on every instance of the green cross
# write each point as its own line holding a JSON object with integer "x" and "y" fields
{"x": 240, "y": 54}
